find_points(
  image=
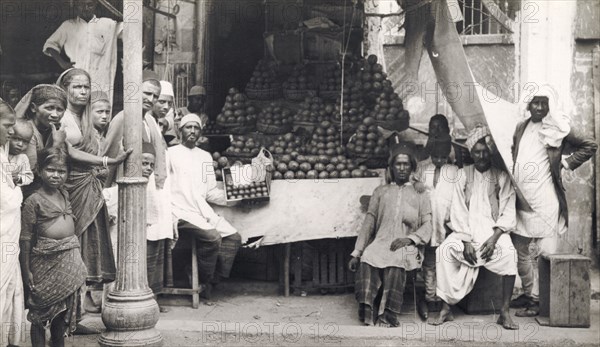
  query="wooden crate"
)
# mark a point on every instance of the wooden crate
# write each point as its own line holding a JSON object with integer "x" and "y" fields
{"x": 486, "y": 296}
{"x": 329, "y": 262}
{"x": 564, "y": 281}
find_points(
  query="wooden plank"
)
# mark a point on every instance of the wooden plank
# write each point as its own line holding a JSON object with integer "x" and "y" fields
{"x": 341, "y": 263}
{"x": 596, "y": 83}
{"x": 297, "y": 257}
{"x": 280, "y": 251}
{"x": 286, "y": 270}
{"x": 559, "y": 292}
{"x": 331, "y": 263}
{"x": 195, "y": 284}
{"x": 579, "y": 281}
{"x": 544, "y": 286}
{"x": 315, "y": 265}
{"x": 488, "y": 39}
{"x": 271, "y": 269}
{"x": 179, "y": 291}
{"x": 323, "y": 267}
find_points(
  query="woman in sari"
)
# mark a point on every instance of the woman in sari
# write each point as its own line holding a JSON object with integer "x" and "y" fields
{"x": 85, "y": 182}
{"x": 44, "y": 107}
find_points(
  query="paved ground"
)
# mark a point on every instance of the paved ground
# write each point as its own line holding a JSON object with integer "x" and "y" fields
{"x": 252, "y": 314}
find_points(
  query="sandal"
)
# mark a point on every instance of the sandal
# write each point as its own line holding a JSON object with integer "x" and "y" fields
{"x": 522, "y": 301}
{"x": 528, "y": 312}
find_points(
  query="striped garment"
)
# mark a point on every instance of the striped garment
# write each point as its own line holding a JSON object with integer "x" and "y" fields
{"x": 379, "y": 290}
{"x": 155, "y": 262}
{"x": 59, "y": 275}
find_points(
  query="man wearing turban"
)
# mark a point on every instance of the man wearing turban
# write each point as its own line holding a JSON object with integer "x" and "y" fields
{"x": 390, "y": 241}
{"x": 193, "y": 187}
{"x": 538, "y": 145}
{"x": 482, "y": 214}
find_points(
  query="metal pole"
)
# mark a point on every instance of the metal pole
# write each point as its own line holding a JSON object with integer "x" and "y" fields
{"x": 130, "y": 312}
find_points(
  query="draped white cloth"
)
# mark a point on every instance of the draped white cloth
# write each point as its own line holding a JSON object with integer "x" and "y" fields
{"x": 532, "y": 174}
{"x": 11, "y": 284}
{"x": 440, "y": 195}
{"x": 473, "y": 222}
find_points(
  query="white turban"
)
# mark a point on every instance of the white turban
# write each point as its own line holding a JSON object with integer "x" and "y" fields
{"x": 190, "y": 117}
{"x": 476, "y": 134}
{"x": 556, "y": 125}
{"x": 166, "y": 88}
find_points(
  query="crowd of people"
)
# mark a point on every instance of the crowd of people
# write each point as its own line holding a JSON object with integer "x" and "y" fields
{"x": 61, "y": 152}
{"x": 451, "y": 221}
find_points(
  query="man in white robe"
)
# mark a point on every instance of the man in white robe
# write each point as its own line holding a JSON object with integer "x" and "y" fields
{"x": 438, "y": 178}
{"x": 11, "y": 283}
{"x": 193, "y": 186}
{"x": 90, "y": 43}
{"x": 539, "y": 144}
{"x": 482, "y": 214}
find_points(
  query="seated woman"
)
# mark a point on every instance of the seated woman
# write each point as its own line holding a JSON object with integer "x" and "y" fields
{"x": 390, "y": 241}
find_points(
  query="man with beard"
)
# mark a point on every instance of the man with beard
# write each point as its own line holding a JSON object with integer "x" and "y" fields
{"x": 193, "y": 186}
{"x": 482, "y": 214}
{"x": 538, "y": 145}
{"x": 390, "y": 241}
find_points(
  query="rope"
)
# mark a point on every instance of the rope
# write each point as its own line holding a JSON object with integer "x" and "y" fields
{"x": 344, "y": 52}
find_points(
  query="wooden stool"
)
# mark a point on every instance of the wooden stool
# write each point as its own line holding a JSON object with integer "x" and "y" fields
{"x": 187, "y": 238}
{"x": 486, "y": 296}
{"x": 564, "y": 282}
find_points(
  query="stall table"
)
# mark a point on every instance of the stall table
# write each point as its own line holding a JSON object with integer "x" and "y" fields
{"x": 302, "y": 210}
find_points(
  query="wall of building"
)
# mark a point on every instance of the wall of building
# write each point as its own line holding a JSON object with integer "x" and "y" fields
{"x": 549, "y": 53}
{"x": 546, "y": 51}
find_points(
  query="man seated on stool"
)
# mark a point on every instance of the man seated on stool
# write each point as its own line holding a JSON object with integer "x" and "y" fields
{"x": 193, "y": 186}
{"x": 482, "y": 214}
{"x": 390, "y": 241}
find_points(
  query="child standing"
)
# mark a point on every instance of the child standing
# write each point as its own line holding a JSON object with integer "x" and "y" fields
{"x": 155, "y": 235}
{"x": 19, "y": 141}
{"x": 438, "y": 178}
{"x": 101, "y": 110}
{"x": 52, "y": 264}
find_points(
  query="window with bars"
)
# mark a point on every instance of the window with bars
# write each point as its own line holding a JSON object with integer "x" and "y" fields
{"x": 491, "y": 18}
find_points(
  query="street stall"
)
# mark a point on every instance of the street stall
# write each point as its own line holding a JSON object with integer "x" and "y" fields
{"x": 297, "y": 88}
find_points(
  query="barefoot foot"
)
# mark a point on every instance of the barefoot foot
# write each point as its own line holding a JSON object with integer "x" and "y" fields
{"x": 507, "y": 323}
{"x": 445, "y": 315}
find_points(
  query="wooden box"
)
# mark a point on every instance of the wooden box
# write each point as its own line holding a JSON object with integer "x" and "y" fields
{"x": 253, "y": 191}
{"x": 329, "y": 261}
{"x": 486, "y": 296}
{"x": 564, "y": 281}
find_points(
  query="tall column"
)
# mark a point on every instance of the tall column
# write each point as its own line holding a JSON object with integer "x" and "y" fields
{"x": 203, "y": 62}
{"x": 130, "y": 311}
